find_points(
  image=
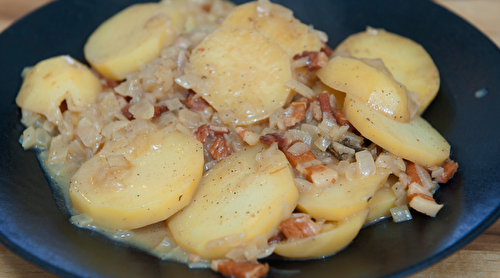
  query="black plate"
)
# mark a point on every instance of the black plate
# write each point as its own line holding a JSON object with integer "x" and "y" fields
{"x": 32, "y": 225}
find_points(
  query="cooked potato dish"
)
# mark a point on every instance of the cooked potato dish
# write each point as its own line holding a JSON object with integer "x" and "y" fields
{"x": 216, "y": 135}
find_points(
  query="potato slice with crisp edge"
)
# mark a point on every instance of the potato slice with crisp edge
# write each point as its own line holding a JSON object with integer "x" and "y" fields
{"x": 407, "y": 60}
{"x": 342, "y": 199}
{"x": 239, "y": 69}
{"x": 53, "y": 80}
{"x": 325, "y": 243}
{"x": 163, "y": 173}
{"x": 131, "y": 38}
{"x": 416, "y": 141}
{"x": 371, "y": 85}
{"x": 279, "y": 25}
{"x": 239, "y": 197}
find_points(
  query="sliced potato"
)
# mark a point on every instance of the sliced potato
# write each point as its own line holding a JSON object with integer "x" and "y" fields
{"x": 325, "y": 243}
{"x": 380, "y": 204}
{"x": 241, "y": 70}
{"x": 131, "y": 38}
{"x": 407, "y": 60}
{"x": 372, "y": 86}
{"x": 51, "y": 81}
{"x": 416, "y": 141}
{"x": 279, "y": 25}
{"x": 154, "y": 179}
{"x": 343, "y": 199}
{"x": 239, "y": 197}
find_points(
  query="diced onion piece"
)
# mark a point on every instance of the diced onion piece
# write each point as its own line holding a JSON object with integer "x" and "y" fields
{"x": 425, "y": 177}
{"x": 322, "y": 143}
{"x": 264, "y": 7}
{"x": 425, "y": 205}
{"x": 28, "y": 139}
{"x": 401, "y": 213}
{"x": 57, "y": 151}
{"x": 302, "y": 62}
{"x": 142, "y": 110}
{"x": 189, "y": 118}
{"x": 395, "y": 164}
{"x": 187, "y": 81}
{"x": 300, "y": 88}
{"x": 365, "y": 164}
{"x": 301, "y": 135}
{"x": 173, "y": 104}
{"x": 415, "y": 188}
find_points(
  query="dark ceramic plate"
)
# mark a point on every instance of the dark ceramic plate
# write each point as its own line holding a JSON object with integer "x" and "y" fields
{"x": 36, "y": 227}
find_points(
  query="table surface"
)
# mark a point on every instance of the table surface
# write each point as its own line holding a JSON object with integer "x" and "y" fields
{"x": 480, "y": 258}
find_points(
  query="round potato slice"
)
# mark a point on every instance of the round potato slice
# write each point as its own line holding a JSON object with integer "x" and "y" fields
{"x": 241, "y": 197}
{"x": 416, "y": 141}
{"x": 278, "y": 24}
{"x": 131, "y": 38}
{"x": 51, "y": 81}
{"x": 242, "y": 71}
{"x": 152, "y": 179}
{"x": 371, "y": 85}
{"x": 407, "y": 60}
{"x": 325, "y": 243}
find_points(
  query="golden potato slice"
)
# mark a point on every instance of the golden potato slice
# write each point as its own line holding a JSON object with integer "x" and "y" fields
{"x": 51, "y": 81}
{"x": 416, "y": 141}
{"x": 131, "y": 38}
{"x": 343, "y": 199}
{"x": 372, "y": 86}
{"x": 239, "y": 197}
{"x": 154, "y": 180}
{"x": 325, "y": 243}
{"x": 279, "y": 25}
{"x": 407, "y": 60}
{"x": 380, "y": 204}
{"x": 241, "y": 70}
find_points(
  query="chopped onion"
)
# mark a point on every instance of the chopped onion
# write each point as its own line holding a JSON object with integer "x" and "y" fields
{"x": 322, "y": 143}
{"x": 298, "y": 148}
{"x": 401, "y": 213}
{"x": 365, "y": 164}
{"x": 173, "y": 104}
{"x": 302, "y": 62}
{"x": 28, "y": 139}
{"x": 301, "y": 135}
{"x": 300, "y": 88}
{"x": 142, "y": 110}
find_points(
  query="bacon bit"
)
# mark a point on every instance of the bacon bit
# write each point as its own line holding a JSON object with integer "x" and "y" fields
{"x": 450, "y": 168}
{"x": 64, "y": 106}
{"x": 126, "y": 113}
{"x": 315, "y": 170}
{"x": 424, "y": 204}
{"x": 112, "y": 83}
{"x": 296, "y": 159}
{"x": 316, "y": 61}
{"x": 219, "y": 149}
{"x": 202, "y": 133}
{"x": 249, "y": 136}
{"x": 326, "y": 108}
{"x": 277, "y": 237}
{"x": 411, "y": 171}
{"x": 326, "y": 49}
{"x": 197, "y": 104}
{"x": 159, "y": 109}
{"x": 341, "y": 118}
{"x": 426, "y": 197}
{"x": 316, "y": 109}
{"x": 240, "y": 269}
{"x": 218, "y": 130}
{"x": 270, "y": 138}
{"x": 295, "y": 113}
{"x": 300, "y": 227}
